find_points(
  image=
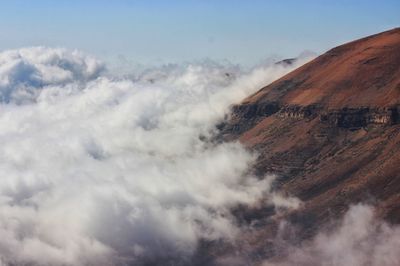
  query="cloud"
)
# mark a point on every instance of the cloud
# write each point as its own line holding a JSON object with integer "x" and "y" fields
{"x": 360, "y": 239}
{"x": 97, "y": 170}
{"x": 25, "y": 71}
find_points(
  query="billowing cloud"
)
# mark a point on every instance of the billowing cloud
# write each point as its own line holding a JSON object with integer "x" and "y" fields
{"x": 24, "y": 72}
{"x": 97, "y": 170}
{"x": 359, "y": 239}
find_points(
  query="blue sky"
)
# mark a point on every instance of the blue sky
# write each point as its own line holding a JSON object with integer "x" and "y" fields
{"x": 162, "y": 31}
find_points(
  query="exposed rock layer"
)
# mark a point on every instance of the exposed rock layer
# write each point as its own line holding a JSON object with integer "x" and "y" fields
{"x": 352, "y": 118}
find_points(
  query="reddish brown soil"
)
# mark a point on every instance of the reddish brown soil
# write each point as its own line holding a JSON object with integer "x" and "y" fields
{"x": 365, "y": 72}
{"x": 327, "y": 163}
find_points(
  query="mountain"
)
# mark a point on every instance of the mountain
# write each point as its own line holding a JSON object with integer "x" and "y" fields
{"x": 330, "y": 131}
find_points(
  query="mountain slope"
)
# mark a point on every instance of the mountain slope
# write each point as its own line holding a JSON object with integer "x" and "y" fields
{"x": 330, "y": 130}
{"x": 361, "y": 73}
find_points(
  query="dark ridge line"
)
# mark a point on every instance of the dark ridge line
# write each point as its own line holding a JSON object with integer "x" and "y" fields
{"x": 245, "y": 116}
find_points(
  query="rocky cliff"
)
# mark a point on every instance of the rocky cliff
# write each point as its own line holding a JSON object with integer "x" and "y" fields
{"x": 347, "y": 117}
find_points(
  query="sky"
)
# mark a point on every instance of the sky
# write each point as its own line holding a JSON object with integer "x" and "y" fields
{"x": 159, "y": 32}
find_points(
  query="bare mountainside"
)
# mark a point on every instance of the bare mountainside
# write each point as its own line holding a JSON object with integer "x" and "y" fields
{"x": 330, "y": 130}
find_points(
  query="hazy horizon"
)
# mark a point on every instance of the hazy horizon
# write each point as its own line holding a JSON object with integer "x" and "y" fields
{"x": 159, "y": 32}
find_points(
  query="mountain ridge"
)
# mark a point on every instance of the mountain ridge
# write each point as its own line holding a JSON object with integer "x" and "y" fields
{"x": 335, "y": 72}
{"x": 330, "y": 131}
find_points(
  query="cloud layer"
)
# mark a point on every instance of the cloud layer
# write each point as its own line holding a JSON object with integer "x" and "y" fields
{"x": 97, "y": 170}
{"x": 359, "y": 239}
{"x": 24, "y": 72}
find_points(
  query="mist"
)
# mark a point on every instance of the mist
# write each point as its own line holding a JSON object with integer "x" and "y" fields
{"x": 99, "y": 169}
{"x": 359, "y": 238}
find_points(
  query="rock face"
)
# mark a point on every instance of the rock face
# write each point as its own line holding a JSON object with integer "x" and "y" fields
{"x": 330, "y": 130}
{"x": 347, "y": 117}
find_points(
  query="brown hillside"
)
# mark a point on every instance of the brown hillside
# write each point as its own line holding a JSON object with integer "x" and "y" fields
{"x": 331, "y": 131}
{"x": 365, "y": 72}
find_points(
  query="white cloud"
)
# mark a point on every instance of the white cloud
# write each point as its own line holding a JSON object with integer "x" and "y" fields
{"x": 96, "y": 170}
{"x": 360, "y": 239}
{"x": 24, "y": 72}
